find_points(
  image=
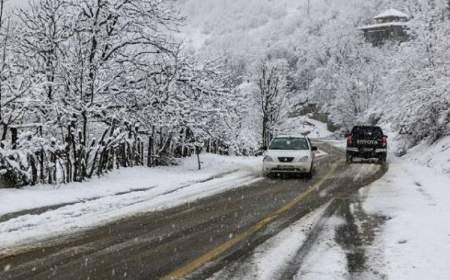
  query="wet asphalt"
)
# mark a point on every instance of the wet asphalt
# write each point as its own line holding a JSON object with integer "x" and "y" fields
{"x": 158, "y": 244}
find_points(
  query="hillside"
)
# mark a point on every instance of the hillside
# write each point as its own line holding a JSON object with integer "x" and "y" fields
{"x": 252, "y": 29}
{"x": 328, "y": 62}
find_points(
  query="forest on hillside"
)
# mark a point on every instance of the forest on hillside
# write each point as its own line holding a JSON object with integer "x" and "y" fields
{"x": 403, "y": 87}
{"x": 88, "y": 86}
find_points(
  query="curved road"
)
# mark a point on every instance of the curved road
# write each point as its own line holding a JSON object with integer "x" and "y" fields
{"x": 194, "y": 240}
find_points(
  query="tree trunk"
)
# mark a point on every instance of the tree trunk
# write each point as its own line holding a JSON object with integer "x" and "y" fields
{"x": 14, "y": 137}
{"x": 198, "y": 150}
{"x": 4, "y": 134}
{"x": 199, "y": 162}
{"x": 150, "y": 152}
{"x": 34, "y": 171}
{"x": 41, "y": 166}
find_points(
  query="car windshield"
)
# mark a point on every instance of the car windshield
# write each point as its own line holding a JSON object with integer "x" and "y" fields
{"x": 289, "y": 144}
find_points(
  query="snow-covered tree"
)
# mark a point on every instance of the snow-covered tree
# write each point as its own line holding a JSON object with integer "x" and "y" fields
{"x": 271, "y": 96}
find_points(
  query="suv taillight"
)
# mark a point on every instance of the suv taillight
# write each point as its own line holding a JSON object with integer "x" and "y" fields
{"x": 349, "y": 140}
{"x": 384, "y": 141}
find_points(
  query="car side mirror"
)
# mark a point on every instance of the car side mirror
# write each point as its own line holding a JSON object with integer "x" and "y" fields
{"x": 314, "y": 148}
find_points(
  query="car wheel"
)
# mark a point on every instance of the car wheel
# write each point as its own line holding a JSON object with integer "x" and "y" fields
{"x": 309, "y": 175}
{"x": 349, "y": 158}
{"x": 382, "y": 158}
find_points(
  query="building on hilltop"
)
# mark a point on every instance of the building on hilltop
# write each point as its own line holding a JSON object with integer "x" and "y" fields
{"x": 390, "y": 25}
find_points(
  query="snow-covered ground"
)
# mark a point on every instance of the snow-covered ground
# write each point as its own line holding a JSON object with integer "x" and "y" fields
{"x": 414, "y": 242}
{"x": 125, "y": 180}
{"x": 304, "y": 125}
{"x": 437, "y": 156}
{"x": 123, "y": 192}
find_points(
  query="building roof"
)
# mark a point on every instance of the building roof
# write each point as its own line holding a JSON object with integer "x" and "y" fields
{"x": 381, "y": 25}
{"x": 391, "y": 13}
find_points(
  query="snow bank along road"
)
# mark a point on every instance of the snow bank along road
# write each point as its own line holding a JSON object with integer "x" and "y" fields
{"x": 193, "y": 240}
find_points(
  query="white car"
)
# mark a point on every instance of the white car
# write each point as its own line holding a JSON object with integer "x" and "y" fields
{"x": 289, "y": 154}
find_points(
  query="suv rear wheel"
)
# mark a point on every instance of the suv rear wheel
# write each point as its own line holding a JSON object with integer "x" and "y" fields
{"x": 349, "y": 158}
{"x": 309, "y": 175}
{"x": 382, "y": 158}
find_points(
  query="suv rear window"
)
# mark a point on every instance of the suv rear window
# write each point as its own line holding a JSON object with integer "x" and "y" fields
{"x": 367, "y": 132}
{"x": 289, "y": 144}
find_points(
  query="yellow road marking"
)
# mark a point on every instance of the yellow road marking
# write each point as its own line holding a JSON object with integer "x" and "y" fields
{"x": 221, "y": 249}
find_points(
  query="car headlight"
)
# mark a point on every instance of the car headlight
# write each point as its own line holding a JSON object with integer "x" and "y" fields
{"x": 303, "y": 159}
{"x": 268, "y": 158}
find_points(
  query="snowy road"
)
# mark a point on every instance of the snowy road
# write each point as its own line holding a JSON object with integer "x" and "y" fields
{"x": 321, "y": 245}
{"x": 199, "y": 238}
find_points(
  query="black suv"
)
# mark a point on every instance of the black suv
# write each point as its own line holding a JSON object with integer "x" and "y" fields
{"x": 366, "y": 142}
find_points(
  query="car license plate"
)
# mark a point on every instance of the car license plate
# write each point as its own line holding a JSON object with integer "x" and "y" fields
{"x": 367, "y": 149}
{"x": 282, "y": 167}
